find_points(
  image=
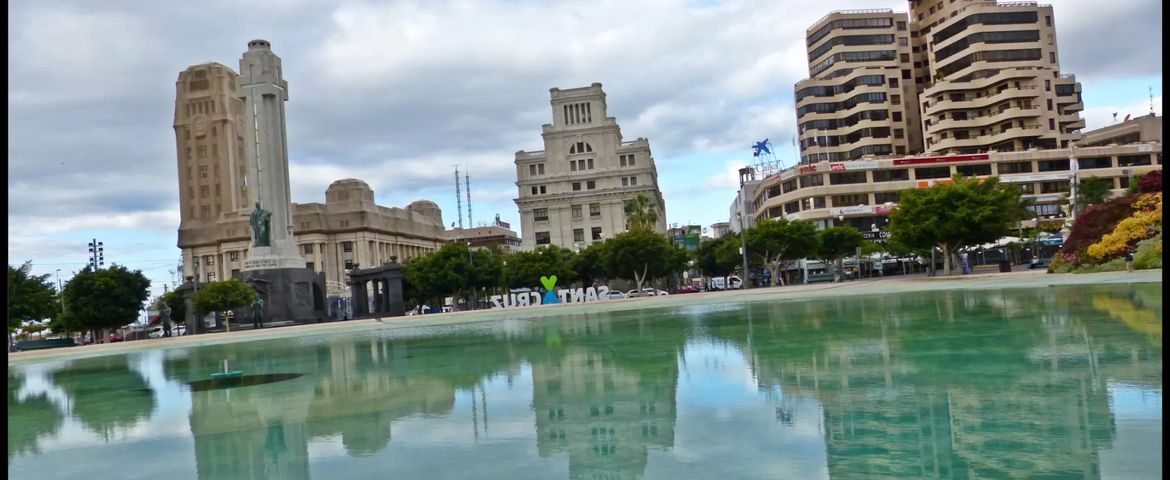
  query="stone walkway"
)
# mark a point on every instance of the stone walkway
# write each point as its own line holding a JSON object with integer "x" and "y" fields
{"x": 878, "y": 286}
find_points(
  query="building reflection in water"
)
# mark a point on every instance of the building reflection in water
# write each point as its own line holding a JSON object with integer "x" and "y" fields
{"x": 606, "y": 402}
{"x": 960, "y": 384}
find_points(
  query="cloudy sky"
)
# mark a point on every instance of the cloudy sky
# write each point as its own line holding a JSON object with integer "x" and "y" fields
{"x": 395, "y": 93}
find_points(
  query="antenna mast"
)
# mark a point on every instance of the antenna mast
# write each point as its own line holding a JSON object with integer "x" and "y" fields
{"x": 1151, "y": 101}
{"x": 467, "y": 180}
{"x": 458, "y": 197}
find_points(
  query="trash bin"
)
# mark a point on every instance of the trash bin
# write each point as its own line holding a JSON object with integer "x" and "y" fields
{"x": 1005, "y": 266}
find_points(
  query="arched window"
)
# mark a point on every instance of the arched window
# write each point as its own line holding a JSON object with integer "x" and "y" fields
{"x": 580, "y": 147}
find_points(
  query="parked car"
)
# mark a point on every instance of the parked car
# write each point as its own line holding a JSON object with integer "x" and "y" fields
{"x": 1040, "y": 263}
{"x": 613, "y": 295}
{"x": 650, "y": 292}
{"x": 688, "y": 289}
{"x": 114, "y": 337}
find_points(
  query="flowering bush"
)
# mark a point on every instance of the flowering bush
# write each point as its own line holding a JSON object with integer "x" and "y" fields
{"x": 1151, "y": 182}
{"x": 1144, "y": 223}
{"x": 1092, "y": 224}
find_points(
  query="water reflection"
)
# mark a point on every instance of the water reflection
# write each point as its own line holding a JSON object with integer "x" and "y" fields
{"x": 106, "y": 395}
{"x": 935, "y": 385}
{"x": 30, "y": 418}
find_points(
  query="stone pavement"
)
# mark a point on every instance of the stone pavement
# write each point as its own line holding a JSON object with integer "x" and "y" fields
{"x": 877, "y": 286}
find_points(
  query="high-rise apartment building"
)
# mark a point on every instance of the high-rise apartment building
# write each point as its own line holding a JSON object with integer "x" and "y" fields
{"x": 860, "y": 97}
{"x": 348, "y": 231}
{"x": 989, "y": 77}
{"x": 574, "y": 192}
{"x": 952, "y": 77}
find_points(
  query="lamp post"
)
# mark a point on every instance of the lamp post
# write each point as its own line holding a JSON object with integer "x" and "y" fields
{"x": 60, "y": 295}
{"x": 743, "y": 174}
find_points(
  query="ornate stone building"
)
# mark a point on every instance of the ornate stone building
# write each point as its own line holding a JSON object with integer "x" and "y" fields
{"x": 573, "y": 192}
{"x": 347, "y": 231}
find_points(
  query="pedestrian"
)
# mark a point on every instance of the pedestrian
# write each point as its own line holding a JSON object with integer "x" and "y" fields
{"x": 1129, "y": 259}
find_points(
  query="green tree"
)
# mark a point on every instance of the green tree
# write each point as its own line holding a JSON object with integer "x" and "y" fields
{"x": 31, "y": 298}
{"x": 950, "y": 216}
{"x": 104, "y": 299}
{"x": 640, "y": 213}
{"x": 777, "y": 242}
{"x": 835, "y": 243}
{"x": 524, "y": 269}
{"x": 1091, "y": 190}
{"x": 640, "y": 254}
{"x": 222, "y": 296}
{"x": 718, "y": 257}
{"x": 446, "y": 271}
{"x": 588, "y": 264}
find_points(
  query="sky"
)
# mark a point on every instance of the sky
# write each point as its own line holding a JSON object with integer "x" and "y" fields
{"x": 398, "y": 92}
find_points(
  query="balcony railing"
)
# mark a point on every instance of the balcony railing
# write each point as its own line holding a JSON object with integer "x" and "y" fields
{"x": 847, "y": 12}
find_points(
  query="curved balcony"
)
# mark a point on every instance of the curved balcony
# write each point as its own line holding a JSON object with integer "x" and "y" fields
{"x": 984, "y": 121}
{"x": 857, "y": 90}
{"x": 983, "y": 102}
{"x": 1071, "y": 107}
{"x": 842, "y": 113}
{"x": 986, "y": 141}
{"x": 845, "y": 130}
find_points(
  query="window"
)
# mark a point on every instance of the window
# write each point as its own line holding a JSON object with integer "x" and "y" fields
{"x": 349, "y": 264}
{"x": 893, "y": 82}
{"x": 543, "y": 238}
{"x": 589, "y": 163}
{"x": 576, "y": 209}
{"x": 932, "y": 172}
{"x": 905, "y": 57}
{"x": 1046, "y": 210}
{"x": 540, "y": 214}
{"x": 210, "y": 276}
{"x": 572, "y": 165}
{"x": 1060, "y": 186}
{"x": 1132, "y": 160}
{"x": 307, "y": 248}
{"x": 590, "y": 185}
{"x": 201, "y": 152}
{"x": 531, "y": 170}
{"x": 974, "y": 170}
{"x": 578, "y": 234}
{"x": 594, "y": 210}
{"x": 1052, "y": 165}
{"x": 903, "y": 42}
{"x": 576, "y": 186}
{"x": 629, "y": 181}
{"x": 1051, "y": 57}
{"x": 347, "y": 247}
{"x": 846, "y": 178}
{"x": 1014, "y": 167}
{"x": 1048, "y": 85}
{"x": 899, "y": 133}
{"x": 901, "y": 26}
{"x": 209, "y": 260}
{"x": 542, "y": 190}
{"x": 203, "y": 189}
{"x": 596, "y": 233}
{"x": 309, "y": 265}
{"x": 812, "y": 180}
{"x": 626, "y": 160}
{"x": 1027, "y": 188}
{"x": 540, "y": 169}
{"x": 205, "y": 211}
{"x": 885, "y": 197}
{"x": 790, "y": 186}
{"x": 203, "y": 171}
{"x": 850, "y": 200}
{"x": 580, "y": 147}
{"x": 189, "y": 173}
{"x": 234, "y": 256}
{"x": 895, "y": 99}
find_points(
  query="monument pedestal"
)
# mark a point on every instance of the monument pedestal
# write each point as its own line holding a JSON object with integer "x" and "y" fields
{"x": 268, "y": 258}
{"x": 289, "y": 294}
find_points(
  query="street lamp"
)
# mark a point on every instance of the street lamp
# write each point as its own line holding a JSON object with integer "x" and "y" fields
{"x": 60, "y": 295}
{"x": 743, "y": 174}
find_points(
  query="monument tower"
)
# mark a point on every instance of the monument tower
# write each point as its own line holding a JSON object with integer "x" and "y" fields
{"x": 262, "y": 88}
{"x": 274, "y": 267}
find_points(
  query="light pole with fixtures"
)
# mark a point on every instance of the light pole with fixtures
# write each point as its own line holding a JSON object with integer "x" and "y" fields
{"x": 97, "y": 254}
{"x": 743, "y": 174}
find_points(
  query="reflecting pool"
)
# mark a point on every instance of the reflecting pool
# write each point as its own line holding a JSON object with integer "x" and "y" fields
{"x": 1058, "y": 382}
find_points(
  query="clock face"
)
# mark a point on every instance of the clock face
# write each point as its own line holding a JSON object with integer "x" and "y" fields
{"x": 199, "y": 125}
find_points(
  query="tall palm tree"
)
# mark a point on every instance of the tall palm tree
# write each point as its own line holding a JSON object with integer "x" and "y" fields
{"x": 640, "y": 213}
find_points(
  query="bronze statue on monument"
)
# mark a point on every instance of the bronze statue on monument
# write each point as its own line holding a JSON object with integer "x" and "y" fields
{"x": 260, "y": 220}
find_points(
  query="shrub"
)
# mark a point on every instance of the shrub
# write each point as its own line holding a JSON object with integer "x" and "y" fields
{"x": 1094, "y": 223}
{"x": 1145, "y": 222}
{"x": 1149, "y": 253}
{"x": 1151, "y": 182}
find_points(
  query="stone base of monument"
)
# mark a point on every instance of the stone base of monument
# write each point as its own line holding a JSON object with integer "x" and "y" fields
{"x": 289, "y": 294}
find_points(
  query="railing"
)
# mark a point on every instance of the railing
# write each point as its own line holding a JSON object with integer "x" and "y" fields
{"x": 848, "y": 12}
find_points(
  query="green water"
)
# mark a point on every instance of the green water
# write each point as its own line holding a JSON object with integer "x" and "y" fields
{"x": 1061, "y": 382}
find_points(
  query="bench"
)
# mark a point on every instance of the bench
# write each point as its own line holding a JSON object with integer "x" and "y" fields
{"x": 49, "y": 343}
{"x": 821, "y": 277}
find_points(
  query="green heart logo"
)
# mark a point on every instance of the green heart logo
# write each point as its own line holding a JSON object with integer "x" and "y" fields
{"x": 549, "y": 282}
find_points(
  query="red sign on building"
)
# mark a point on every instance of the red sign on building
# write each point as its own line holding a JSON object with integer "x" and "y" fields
{"x": 948, "y": 158}
{"x": 808, "y": 169}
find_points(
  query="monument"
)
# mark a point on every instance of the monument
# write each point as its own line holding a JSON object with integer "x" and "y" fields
{"x": 274, "y": 267}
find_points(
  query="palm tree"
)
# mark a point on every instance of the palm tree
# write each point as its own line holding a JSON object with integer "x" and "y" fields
{"x": 640, "y": 213}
